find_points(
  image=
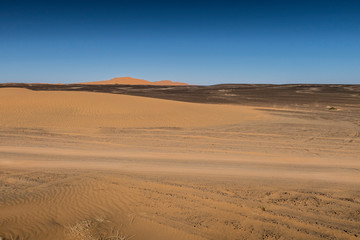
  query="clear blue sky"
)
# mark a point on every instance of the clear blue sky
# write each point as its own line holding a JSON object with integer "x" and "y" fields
{"x": 199, "y": 42}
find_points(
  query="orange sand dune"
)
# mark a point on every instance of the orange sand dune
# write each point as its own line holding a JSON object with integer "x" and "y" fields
{"x": 135, "y": 81}
{"x": 84, "y": 110}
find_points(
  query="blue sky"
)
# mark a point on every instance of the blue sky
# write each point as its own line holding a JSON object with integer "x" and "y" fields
{"x": 199, "y": 42}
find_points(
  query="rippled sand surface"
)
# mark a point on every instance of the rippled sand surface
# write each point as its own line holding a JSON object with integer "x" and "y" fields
{"x": 84, "y": 165}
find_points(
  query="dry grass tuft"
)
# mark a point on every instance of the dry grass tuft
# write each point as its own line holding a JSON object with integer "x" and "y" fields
{"x": 12, "y": 238}
{"x": 94, "y": 230}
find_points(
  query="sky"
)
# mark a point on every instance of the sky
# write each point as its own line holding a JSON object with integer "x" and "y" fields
{"x": 198, "y": 42}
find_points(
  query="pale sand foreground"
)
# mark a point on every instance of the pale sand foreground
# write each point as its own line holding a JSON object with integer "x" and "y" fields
{"x": 100, "y": 163}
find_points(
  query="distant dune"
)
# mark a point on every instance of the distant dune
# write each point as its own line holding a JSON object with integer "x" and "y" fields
{"x": 135, "y": 81}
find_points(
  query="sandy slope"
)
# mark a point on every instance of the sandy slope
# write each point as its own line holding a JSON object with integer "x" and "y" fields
{"x": 100, "y": 163}
{"x": 91, "y": 111}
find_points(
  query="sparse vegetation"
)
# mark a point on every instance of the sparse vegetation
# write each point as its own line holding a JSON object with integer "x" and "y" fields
{"x": 332, "y": 108}
{"x": 92, "y": 230}
{"x": 12, "y": 238}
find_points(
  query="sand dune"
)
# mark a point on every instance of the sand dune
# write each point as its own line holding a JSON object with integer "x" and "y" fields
{"x": 135, "y": 81}
{"x": 93, "y": 111}
{"x": 83, "y": 165}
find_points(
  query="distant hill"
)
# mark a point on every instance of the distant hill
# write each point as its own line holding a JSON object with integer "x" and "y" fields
{"x": 135, "y": 81}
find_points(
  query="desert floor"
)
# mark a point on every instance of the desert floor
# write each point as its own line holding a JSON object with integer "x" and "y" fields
{"x": 277, "y": 163}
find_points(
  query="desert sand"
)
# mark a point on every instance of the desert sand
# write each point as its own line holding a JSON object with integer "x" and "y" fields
{"x": 89, "y": 162}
